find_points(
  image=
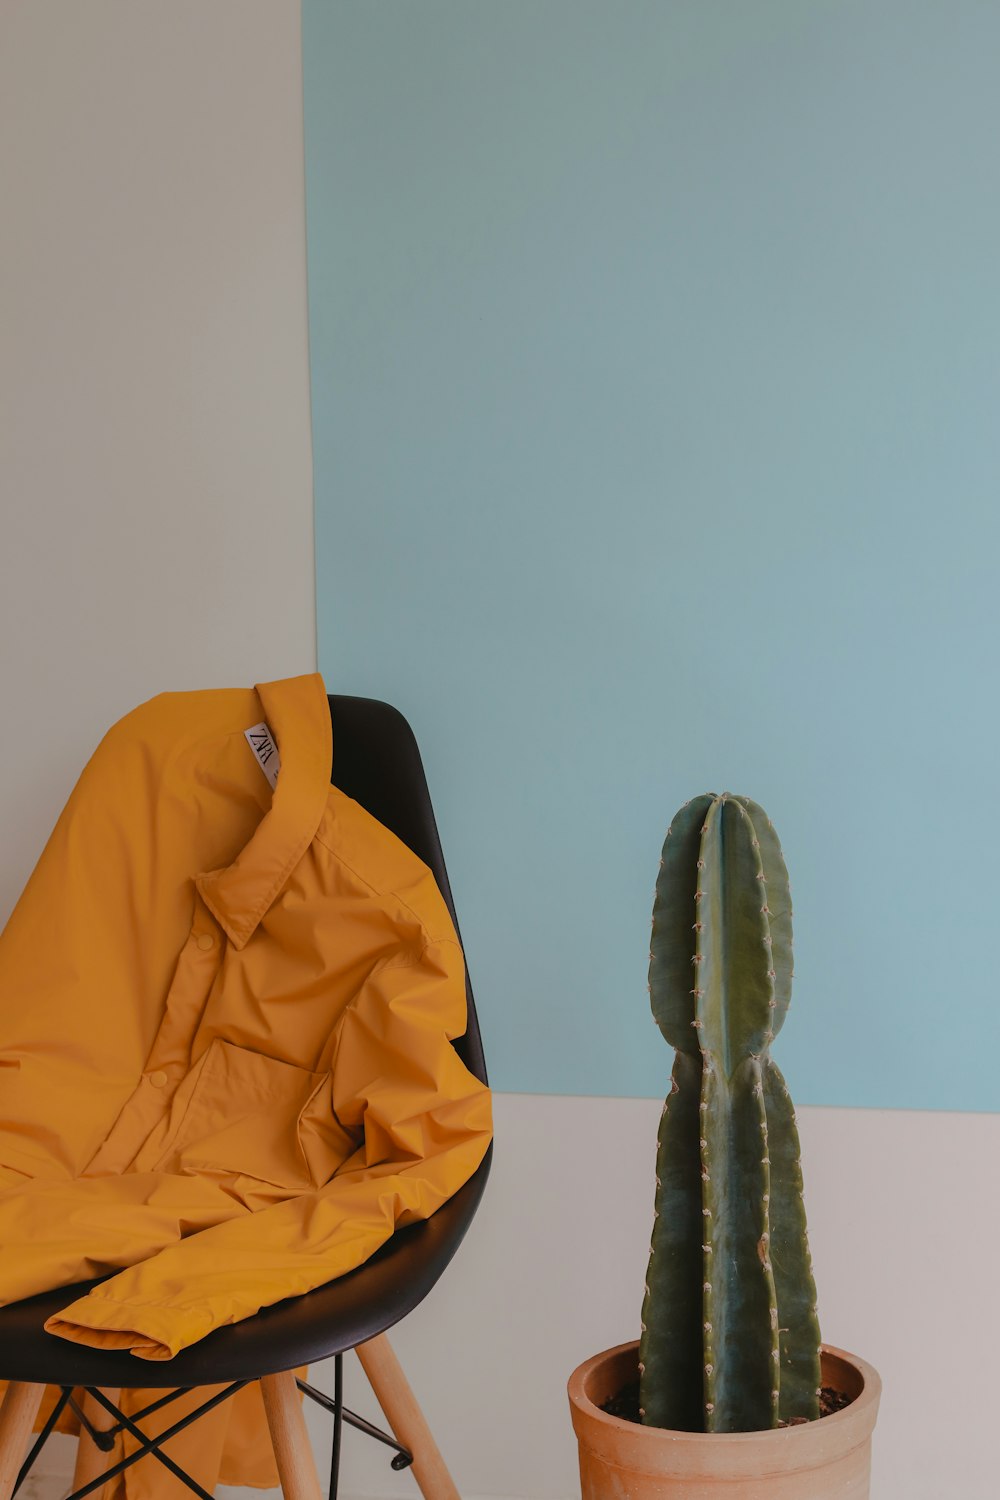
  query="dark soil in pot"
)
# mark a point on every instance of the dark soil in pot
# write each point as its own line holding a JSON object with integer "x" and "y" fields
{"x": 626, "y": 1403}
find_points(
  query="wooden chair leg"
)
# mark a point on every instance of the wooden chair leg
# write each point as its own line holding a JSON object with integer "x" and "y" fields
{"x": 289, "y": 1438}
{"x": 90, "y": 1460}
{"x": 405, "y": 1418}
{"x": 17, "y": 1416}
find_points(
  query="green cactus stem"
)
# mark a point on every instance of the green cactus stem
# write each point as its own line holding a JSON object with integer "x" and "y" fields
{"x": 730, "y": 1337}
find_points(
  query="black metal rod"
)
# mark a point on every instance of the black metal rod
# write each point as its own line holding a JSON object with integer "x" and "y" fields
{"x": 40, "y": 1441}
{"x": 124, "y": 1463}
{"x": 104, "y": 1437}
{"x": 151, "y": 1445}
{"x": 338, "y": 1424}
{"x": 101, "y": 1437}
{"x": 162, "y": 1401}
{"x": 403, "y": 1455}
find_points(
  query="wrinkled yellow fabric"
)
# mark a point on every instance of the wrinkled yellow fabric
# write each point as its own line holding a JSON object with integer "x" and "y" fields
{"x": 226, "y": 1071}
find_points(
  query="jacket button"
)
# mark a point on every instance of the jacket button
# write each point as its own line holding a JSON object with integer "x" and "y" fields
{"x": 158, "y": 1079}
{"x": 206, "y": 941}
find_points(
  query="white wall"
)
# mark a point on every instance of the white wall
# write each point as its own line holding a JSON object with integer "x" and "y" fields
{"x": 155, "y": 478}
{"x": 156, "y": 532}
{"x": 903, "y": 1215}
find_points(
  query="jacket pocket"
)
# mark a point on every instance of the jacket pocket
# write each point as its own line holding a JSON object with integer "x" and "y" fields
{"x": 243, "y": 1123}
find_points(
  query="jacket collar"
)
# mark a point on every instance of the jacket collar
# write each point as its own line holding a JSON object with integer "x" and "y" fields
{"x": 298, "y": 714}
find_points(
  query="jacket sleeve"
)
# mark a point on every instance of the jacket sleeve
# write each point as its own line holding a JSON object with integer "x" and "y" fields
{"x": 426, "y": 1125}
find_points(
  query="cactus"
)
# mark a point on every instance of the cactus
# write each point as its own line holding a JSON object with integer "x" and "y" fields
{"x": 730, "y": 1337}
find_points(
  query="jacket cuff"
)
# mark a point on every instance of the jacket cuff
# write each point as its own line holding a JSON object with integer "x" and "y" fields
{"x": 147, "y": 1330}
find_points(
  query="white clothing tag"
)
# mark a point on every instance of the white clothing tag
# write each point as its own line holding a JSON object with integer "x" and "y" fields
{"x": 261, "y": 742}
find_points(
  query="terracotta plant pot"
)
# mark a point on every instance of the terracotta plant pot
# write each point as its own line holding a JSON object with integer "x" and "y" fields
{"x": 829, "y": 1459}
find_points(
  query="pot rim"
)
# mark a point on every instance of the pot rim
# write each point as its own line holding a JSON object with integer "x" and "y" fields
{"x": 860, "y": 1412}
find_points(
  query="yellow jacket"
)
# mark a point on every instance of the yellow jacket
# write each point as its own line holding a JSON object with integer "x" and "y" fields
{"x": 226, "y": 1072}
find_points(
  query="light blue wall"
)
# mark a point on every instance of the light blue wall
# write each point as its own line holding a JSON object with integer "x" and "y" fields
{"x": 656, "y": 365}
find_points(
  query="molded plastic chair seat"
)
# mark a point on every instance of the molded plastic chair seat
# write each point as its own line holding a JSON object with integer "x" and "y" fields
{"x": 297, "y": 1331}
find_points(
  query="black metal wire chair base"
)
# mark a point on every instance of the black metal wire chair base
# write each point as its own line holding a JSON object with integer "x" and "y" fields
{"x": 104, "y": 1438}
{"x": 402, "y": 1457}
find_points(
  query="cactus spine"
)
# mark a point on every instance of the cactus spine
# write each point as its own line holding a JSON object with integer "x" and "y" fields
{"x": 730, "y": 1337}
